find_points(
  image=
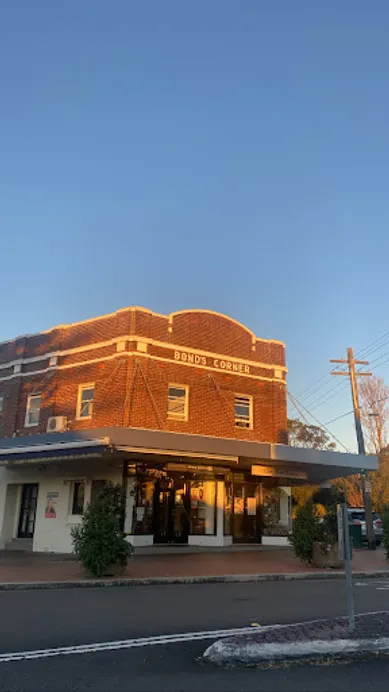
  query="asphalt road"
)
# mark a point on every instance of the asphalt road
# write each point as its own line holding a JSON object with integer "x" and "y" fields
{"x": 175, "y": 669}
{"x": 33, "y": 620}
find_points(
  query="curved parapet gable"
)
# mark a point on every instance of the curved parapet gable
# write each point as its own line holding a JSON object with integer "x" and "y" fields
{"x": 212, "y": 331}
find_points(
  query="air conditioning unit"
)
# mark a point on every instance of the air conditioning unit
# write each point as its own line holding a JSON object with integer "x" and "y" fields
{"x": 57, "y": 424}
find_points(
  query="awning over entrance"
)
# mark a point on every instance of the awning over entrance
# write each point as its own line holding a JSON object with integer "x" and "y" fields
{"x": 55, "y": 450}
{"x": 290, "y": 463}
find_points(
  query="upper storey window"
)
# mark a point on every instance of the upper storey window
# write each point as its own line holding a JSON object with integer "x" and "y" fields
{"x": 33, "y": 410}
{"x": 243, "y": 411}
{"x": 86, "y": 393}
{"x": 177, "y": 405}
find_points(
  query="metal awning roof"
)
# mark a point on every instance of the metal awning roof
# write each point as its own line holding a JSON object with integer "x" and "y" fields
{"x": 138, "y": 442}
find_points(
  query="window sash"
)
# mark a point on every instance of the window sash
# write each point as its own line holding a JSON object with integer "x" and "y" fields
{"x": 78, "y": 498}
{"x": 33, "y": 410}
{"x": 1, "y": 404}
{"x": 85, "y": 401}
{"x": 243, "y": 411}
{"x": 177, "y": 402}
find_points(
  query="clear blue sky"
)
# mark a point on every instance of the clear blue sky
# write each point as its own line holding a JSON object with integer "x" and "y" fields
{"x": 228, "y": 154}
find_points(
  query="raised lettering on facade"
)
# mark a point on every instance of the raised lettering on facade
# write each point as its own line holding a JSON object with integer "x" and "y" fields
{"x": 218, "y": 363}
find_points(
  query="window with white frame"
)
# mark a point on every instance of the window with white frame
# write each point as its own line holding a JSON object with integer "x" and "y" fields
{"x": 1, "y": 404}
{"x": 177, "y": 405}
{"x": 86, "y": 393}
{"x": 33, "y": 410}
{"x": 243, "y": 411}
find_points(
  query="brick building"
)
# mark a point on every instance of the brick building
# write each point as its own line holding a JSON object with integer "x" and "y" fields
{"x": 178, "y": 408}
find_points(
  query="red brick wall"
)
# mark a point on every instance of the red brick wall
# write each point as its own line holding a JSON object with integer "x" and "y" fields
{"x": 133, "y": 390}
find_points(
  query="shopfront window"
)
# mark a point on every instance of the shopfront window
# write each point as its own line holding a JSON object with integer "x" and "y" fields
{"x": 143, "y": 510}
{"x": 203, "y": 508}
{"x": 276, "y": 511}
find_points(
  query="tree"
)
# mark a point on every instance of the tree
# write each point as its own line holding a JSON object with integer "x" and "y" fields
{"x": 380, "y": 483}
{"x": 353, "y": 487}
{"x": 311, "y": 436}
{"x": 374, "y": 396}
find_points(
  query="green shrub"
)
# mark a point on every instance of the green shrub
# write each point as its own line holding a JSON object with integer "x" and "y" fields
{"x": 99, "y": 541}
{"x": 385, "y": 525}
{"x": 304, "y": 532}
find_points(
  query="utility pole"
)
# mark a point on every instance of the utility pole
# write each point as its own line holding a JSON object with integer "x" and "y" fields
{"x": 366, "y": 489}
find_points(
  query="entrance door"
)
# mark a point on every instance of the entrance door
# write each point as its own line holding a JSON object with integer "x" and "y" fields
{"x": 28, "y": 510}
{"x": 245, "y": 516}
{"x": 171, "y": 515}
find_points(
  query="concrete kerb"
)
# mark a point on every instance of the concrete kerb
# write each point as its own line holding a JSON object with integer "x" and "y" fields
{"x": 223, "y": 653}
{"x": 257, "y": 648}
{"x": 165, "y": 581}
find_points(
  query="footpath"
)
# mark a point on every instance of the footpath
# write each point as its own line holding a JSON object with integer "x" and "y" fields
{"x": 36, "y": 570}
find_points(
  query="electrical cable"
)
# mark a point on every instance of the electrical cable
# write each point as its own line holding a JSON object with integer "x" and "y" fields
{"x": 298, "y": 403}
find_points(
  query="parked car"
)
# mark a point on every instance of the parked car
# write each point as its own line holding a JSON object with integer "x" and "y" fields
{"x": 356, "y": 516}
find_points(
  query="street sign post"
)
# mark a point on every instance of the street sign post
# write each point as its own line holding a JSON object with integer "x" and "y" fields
{"x": 345, "y": 554}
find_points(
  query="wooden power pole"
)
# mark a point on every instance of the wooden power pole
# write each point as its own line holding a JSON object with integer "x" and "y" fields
{"x": 353, "y": 375}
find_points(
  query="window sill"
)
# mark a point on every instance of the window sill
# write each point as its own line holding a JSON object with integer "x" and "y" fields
{"x": 78, "y": 418}
{"x": 74, "y": 519}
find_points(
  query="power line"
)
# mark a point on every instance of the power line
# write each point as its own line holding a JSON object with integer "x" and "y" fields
{"x": 304, "y": 392}
{"x": 372, "y": 347}
{"x": 348, "y": 413}
{"x": 377, "y": 348}
{"x": 379, "y": 358}
{"x": 321, "y": 425}
{"x": 372, "y": 343}
{"x": 339, "y": 417}
{"x": 319, "y": 401}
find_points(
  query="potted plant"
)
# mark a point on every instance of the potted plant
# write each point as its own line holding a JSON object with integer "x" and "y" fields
{"x": 99, "y": 541}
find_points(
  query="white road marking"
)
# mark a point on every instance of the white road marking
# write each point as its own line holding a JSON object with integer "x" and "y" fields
{"x": 378, "y": 584}
{"x": 144, "y": 641}
{"x": 124, "y": 644}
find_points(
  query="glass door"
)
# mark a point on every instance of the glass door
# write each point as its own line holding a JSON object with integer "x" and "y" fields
{"x": 245, "y": 513}
{"x": 28, "y": 510}
{"x": 171, "y": 511}
{"x": 181, "y": 512}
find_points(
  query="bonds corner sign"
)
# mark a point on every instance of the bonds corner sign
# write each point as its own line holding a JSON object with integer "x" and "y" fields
{"x": 277, "y": 472}
{"x": 210, "y": 362}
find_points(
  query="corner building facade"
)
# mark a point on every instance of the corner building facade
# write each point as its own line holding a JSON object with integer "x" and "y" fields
{"x": 166, "y": 405}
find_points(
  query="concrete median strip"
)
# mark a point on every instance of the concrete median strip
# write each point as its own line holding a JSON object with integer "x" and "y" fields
{"x": 312, "y": 640}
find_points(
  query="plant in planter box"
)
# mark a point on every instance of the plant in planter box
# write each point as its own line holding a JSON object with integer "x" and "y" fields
{"x": 325, "y": 546}
{"x": 314, "y": 534}
{"x": 99, "y": 541}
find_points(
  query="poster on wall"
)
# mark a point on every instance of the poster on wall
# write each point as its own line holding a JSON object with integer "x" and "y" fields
{"x": 51, "y": 503}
